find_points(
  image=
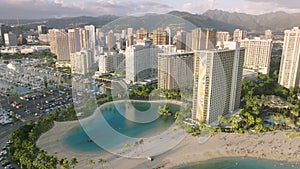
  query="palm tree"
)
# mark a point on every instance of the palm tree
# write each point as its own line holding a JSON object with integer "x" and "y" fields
{"x": 136, "y": 145}
{"x": 101, "y": 161}
{"x": 141, "y": 142}
{"x": 92, "y": 163}
{"x": 73, "y": 162}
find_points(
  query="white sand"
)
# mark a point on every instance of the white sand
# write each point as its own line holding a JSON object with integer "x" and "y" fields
{"x": 274, "y": 146}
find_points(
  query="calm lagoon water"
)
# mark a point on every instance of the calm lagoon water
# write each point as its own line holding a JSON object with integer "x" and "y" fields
{"x": 129, "y": 122}
{"x": 239, "y": 163}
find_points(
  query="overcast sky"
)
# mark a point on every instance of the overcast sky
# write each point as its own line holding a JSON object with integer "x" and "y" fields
{"x": 32, "y": 9}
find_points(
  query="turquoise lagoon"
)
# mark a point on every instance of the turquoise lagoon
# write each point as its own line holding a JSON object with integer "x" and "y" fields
{"x": 115, "y": 124}
{"x": 240, "y": 163}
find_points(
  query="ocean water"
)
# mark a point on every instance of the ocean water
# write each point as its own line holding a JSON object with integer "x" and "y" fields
{"x": 116, "y": 124}
{"x": 240, "y": 163}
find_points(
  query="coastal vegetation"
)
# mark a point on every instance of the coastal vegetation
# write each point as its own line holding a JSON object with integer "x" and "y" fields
{"x": 18, "y": 56}
{"x": 24, "y": 151}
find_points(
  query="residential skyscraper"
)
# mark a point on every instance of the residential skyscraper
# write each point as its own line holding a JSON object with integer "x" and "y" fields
{"x": 175, "y": 70}
{"x": 129, "y": 31}
{"x": 257, "y": 54}
{"x": 10, "y": 39}
{"x": 141, "y": 62}
{"x": 110, "y": 41}
{"x": 83, "y": 34}
{"x": 170, "y": 35}
{"x": 239, "y": 35}
{"x": 181, "y": 40}
{"x": 141, "y": 34}
{"x": 110, "y": 61}
{"x": 203, "y": 39}
{"x": 74, "y": 40}
{"x": 91, "y": 40}
{"x": 42, "y": 29}
{"x": 217, "y": 82}
{"x": 159, "y": 37}
{"x": 223, "y": 36}
{"x": 289, "y": 74}
{"x": 81, "y": 62}
{"x": 268, "y": 34}
{"x": 59, "y": 44}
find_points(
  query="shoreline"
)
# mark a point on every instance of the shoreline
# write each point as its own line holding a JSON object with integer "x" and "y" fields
{"x": 273, "y": 146}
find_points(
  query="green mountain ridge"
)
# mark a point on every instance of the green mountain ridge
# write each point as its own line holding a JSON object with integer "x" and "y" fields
{"x": 276, "y": 21}
{"x": 218, "y": 19}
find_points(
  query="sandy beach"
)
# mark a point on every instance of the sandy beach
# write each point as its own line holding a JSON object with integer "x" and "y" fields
{"x": 188, "y": 149}
{"x": 274, "y": 146}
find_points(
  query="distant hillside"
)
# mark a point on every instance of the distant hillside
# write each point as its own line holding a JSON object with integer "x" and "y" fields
{"x": 220, "y": 20}
{"x": 62, "y": 22}
{"x": 206, "y": 22}
{"x": 277, "y": 21}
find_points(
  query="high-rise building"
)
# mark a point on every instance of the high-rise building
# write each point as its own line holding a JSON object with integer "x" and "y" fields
{"x": 141, "y": 34}
{"x": 239, "y": 35}
{"x": 110, "y": 61}
{"x": 257, "y": 54}
{"x": 1, "y": 35}
{"x": 268, "y": 34}
{"x": 10, "y": 39}
{"x": 217, "y": 82}
{"x": 90, "y": 29}
{"x": 181, "y": 40}
{"x": 129, "y": 41}
{"x": 141, "y": 62}
{"x": 188, "y": 44}
{"x": 91, "y": 36}
{"x": 59, "y": 44}
{"x": 100, "y": 38}
{"x": 74, "y": 40}
{"x": 110, "y": 41}
{"x": 159, "y": 37}
{"x": 289, "y": 74}
{"x": 203, "y": 39}
{"x": 83, "y": 34}
{"x": 170, "y": 35}
{"x": 223, "y": 36}
{"x": 42, "y": 29}
{"x": 175, "y": 70}
{"x": 81, "y": 62}
{"x": 129, "y": 31}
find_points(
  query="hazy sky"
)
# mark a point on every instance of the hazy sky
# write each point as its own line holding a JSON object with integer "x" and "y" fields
{"x": 62, "y": 8}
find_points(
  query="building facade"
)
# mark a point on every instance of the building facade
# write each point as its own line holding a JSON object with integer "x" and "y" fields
{"x": 257, "y": 54}
{"x": 59, "y": 44}
{"x": 217, "y": 83}
{"x": 175, "y": 70}
{"x": 10, "y": 39}
{"x": 239, "y": 35}
{"x": 74, "y": 40}
{"x": 141, "y": 62}
{"x": 110, "y": 61}
{"x": 160, "y": 37}
{"x": 223, "y": 36}
{"x": 289, "y": 74}
{"x": 203, "y": 39}
{"x": 81, "y": 62}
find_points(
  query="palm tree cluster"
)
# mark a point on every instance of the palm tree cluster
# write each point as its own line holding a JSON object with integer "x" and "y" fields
{"x": 24, "y": 150}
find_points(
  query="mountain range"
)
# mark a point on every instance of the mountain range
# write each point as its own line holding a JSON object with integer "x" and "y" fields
{"x": 220, "y": 20}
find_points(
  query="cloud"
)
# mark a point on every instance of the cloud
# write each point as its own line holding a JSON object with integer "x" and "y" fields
{"x": 292, "y": 4}
{"x": 61, "y": 8}
{"x": 260, "y": 7}
{"x": 198, "y": 7}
